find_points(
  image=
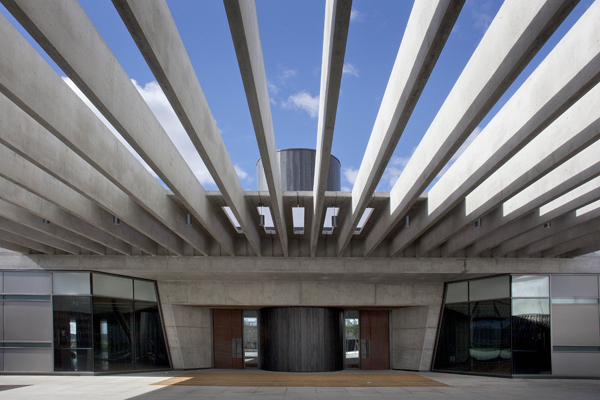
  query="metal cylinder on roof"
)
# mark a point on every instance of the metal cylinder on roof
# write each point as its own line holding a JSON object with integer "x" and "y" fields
{"x": 297, "y": 171}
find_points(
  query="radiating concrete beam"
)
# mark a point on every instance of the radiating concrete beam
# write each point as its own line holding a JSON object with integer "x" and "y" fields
{"x": 20, "y": 197}
{"x": 337, "y": 22}
{"x": 559, "y": 225}
{"x": 18, "y": 170}
{"x": 429, "y": 25}
{"x": 563, "y": 242}
{"x": 154, "y": 31}
{"x": 14, "y": 247}
{"x": 10, "y": 237}
{"x": 30, "y": 140}
{"x": 582, "y": 251}
{"x": 571, "y": 174}
{"x": 568, "y": 135}
{"x": 22, "y": 217}
{"x": 243, "y": 24}
{"x": 35, "y": 235}
{"x": 517, "y": 32}
{"x": 33, "y": 85}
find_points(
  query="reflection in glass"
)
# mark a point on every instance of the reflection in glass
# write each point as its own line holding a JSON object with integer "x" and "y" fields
{"x": 530, "y": 286}
{"x": 531, "y": 336}
{"x": 150, "y": 347}
{"x": 454, "y": 340}
{"x": 72, "y": 333}
{"x": 250, "y": 338}
{"x": 113, "y": 320}
{"x": 490, "y": 349}
{"x": 351, "y": 339}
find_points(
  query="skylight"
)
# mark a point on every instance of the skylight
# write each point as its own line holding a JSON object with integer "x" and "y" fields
{"x": 327, "y": 227}
{"x": 298, "y": 219}
{"x": 233, "y": 219}
{"x": 363, "y": 220}
{"x": 269, "y": 225}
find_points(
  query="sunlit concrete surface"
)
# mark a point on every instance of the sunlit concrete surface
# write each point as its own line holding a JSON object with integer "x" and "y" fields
{"x": 140, "y": 386}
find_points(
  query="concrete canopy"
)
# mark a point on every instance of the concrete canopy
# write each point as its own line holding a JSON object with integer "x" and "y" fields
{"x": 59, "y": 163}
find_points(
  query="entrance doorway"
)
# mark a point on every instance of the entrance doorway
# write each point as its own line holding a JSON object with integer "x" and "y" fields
{"x": 374, "y": 339}
{"x": 227, "y": 339}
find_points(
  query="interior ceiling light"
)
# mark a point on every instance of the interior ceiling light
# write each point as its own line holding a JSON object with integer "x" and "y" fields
{"x": 188, "y": 219}
{"x": 261, "y": 215}
{"x": 406, "y": 221}
{"x": 548, "y": 224}
{"x": 478, "y": 223}
{"x": 334, "y": 218}
{"x": 45, "y": 221}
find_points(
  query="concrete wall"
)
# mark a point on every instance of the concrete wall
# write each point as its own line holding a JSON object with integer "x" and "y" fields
{"x": 414, "y": 331}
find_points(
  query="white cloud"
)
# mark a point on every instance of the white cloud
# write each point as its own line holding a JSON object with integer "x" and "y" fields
{"x": 480, "y": 12}
{"x": 303, "y": 101}
{"x": 163, "y": 111}
{"x": 355, "y": 15}
{"x": 243, "y": 175}
{"x": 287, "y": 74}
{"x": 273, "y": 89}
{"x": 393, "y": 170}
{"x": 350, "y": 174}
{"x": 350, "y": 69}
{"x": 346, "y": 189}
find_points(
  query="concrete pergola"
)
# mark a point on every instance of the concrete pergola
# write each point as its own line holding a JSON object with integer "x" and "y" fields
{"x": 526, "y": 187}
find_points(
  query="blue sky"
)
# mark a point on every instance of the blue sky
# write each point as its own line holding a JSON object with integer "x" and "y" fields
{"x": 292, "y": 36}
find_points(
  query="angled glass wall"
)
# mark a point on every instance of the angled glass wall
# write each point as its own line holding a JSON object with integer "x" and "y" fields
{"x": 496, "y": 326}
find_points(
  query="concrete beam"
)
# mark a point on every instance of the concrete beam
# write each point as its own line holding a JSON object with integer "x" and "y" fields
{"x": 10, "y": 237}
{"x": 37, "y": 236}
{"x": 14, "y": 247}
{"x": 155, "y": 33}
{"x": 29, "y": 82}
{"x": 565, "y": 241}
{"x": 516, "y": 34}
{"x": 582, "y": 251}
{"x": 337, "y": 22}
{"x": 243, "y": 24}
{"x": 575, "y": 172}
{"x": 22, "y": 217}
{"x": 18, "y": 170}
{"x": 428, "y": 27}
{"x": 559, "y": 225}
{"x": 34, "y": 204}
{"x": 567, "y": 136}
{"x": 27, "y": 139}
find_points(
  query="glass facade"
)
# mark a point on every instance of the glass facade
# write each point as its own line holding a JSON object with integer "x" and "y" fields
{"x": 483, "y": 334}
{"x": 79, "y": 322}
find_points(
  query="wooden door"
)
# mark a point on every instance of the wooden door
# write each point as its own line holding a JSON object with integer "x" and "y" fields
{"x": 374, "y": 339}
{"x": 227, "y": 339}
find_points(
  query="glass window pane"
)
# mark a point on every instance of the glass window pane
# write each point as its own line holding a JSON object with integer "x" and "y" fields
{"x": 150, "y": 347}
{"x": 112, "y": 286}
{"x": 574, "y": 301}
{"x": 490, "y": 337}
{"x": 530, "y": 286}
{"x": 454, "y": 339}
{"x": 72, "y": 333}
{"x": 144, "y": 290}
{"x": 250, "y": 336}
{"x": 71, "y": 283}
{"x": 112, "y": 334}
{"x": 351, "y": 338}
{"x": 27, "y": 282}
{"x": 531, "y": 336}
{"x": 457, "y": 292}
{"x": 574, "y": 286}
{"x": 489, "y": 288}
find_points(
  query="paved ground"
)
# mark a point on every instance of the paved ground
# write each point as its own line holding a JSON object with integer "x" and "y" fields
{"x": 139, "y": 386}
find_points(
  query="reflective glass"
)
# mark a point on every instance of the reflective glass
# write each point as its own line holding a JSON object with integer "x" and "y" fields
{"x": 531, "y": 336}
{"x": 112, "y": 286}
{"x": 113, "y": 321}
{"x": 489, "y": 288}
{"x": 144, "y": 290}
{"x": 530, "y": 286}
{"x": 454, "y": 339}
{"x": 72, "y": 333}
{"x": 574, "y": 301}
{"x": 150, "y": 347}
{"x": 351, "y": 338}
{"x": 250, "y": 336}
{"x": 71, "y": 283}
{"x": 457, "y": 292}
{"x": 490, "y": 349}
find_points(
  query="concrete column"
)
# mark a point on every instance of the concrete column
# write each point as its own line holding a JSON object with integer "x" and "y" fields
{"x": 414, "y": 331}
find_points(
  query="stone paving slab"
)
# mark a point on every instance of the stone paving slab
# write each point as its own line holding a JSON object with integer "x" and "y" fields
{"x": 142, "y": 387}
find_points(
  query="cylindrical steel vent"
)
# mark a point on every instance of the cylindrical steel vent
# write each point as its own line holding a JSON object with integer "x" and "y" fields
{"x": 297, "y": 171}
